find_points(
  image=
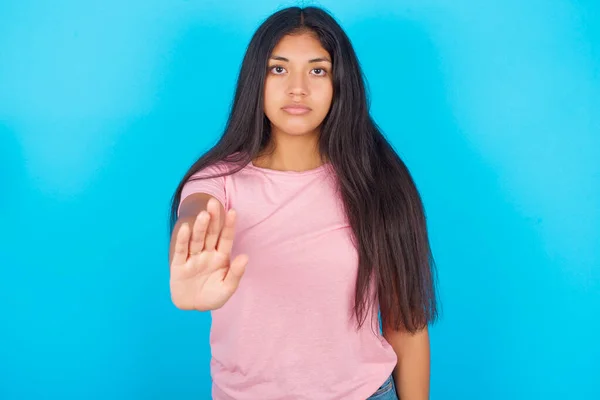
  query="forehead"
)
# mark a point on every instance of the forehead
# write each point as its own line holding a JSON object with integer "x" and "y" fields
{"x": 304, "y": 45}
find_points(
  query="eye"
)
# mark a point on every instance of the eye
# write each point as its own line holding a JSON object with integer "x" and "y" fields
{"x": 277, "y": 69}
{"x": 319, "y": 71}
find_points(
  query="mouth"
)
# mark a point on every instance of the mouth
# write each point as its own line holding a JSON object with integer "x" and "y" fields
{"x": 296, "y": 109}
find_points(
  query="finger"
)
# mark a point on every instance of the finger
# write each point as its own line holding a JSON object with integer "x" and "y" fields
{"x": 199, "y": 233}
{"x": 180, "y": 252}
{"x": 236, "y": 271}
{"x": 212, "y": 234}
{"x": 227, "y": 234}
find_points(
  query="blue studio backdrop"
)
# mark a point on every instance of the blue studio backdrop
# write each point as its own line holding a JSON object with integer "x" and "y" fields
{"x": 494, "y": 106}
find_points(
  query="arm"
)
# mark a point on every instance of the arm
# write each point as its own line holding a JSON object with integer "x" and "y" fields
{"x": 412, "y": 372}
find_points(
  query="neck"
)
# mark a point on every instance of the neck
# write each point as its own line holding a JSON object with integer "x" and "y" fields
{"x": 291, "y": 153}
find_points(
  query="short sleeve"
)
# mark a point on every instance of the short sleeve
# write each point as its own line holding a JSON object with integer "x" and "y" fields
{"x": 200, "y": 183}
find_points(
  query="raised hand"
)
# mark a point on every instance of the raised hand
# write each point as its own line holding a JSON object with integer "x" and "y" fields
{"x": 202, "y": 275}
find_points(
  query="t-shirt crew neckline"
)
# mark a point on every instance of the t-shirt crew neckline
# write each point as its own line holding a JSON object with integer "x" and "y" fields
{"x": 317, "y": 170}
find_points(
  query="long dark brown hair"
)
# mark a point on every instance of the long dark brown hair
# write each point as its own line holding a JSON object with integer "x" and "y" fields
{"x": 380, "y": 198}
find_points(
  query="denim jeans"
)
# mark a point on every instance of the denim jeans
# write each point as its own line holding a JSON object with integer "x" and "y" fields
{"x": 387, "y": 391}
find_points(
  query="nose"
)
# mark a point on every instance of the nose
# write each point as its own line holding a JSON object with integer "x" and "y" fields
{"x": 298, "y": 85}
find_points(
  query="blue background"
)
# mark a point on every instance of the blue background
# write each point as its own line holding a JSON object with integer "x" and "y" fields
{"x": 494, "y": 106}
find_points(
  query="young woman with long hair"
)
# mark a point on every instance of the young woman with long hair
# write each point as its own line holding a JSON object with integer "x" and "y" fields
{"x": 303, "y": 233}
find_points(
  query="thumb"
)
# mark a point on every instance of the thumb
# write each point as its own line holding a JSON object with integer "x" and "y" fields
{"x": 236, "y": 271}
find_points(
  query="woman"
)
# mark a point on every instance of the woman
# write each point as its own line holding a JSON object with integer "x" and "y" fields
{"x": 300, "y": 226}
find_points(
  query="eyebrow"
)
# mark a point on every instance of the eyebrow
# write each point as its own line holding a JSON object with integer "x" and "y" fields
{"x": 313, "y": 60}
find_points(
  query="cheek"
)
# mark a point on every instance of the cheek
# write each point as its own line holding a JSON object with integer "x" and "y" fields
{"x": 270, "y": 95}
{"x": 325, "y": 98}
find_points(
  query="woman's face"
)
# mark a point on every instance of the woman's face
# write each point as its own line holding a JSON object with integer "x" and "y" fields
{"x": 298, "y": 86}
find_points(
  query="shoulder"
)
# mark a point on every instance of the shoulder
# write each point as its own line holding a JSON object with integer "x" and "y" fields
{"x": 214, "y": 169}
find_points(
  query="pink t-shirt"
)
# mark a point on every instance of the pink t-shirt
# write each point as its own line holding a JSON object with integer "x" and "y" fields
{"x": 288, "y": 331}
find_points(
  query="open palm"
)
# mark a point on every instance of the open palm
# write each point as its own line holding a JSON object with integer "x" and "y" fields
{"x": 202, "y": 275}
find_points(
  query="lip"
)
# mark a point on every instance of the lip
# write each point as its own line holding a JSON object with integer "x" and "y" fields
{"x": 296, "y": 109}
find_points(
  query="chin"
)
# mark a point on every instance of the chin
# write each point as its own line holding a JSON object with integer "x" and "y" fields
{"x": 296, "y": 130}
